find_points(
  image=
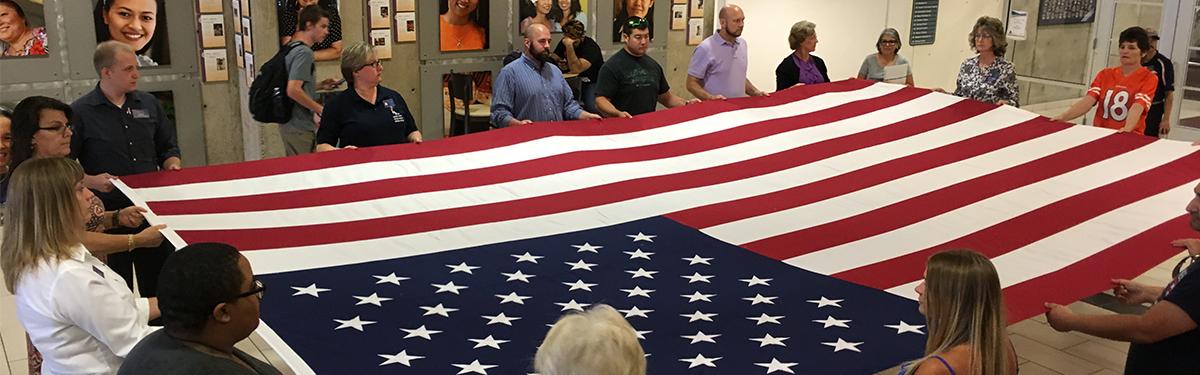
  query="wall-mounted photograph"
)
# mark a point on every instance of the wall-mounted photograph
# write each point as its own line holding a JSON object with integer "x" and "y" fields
{"x": 624, "y": 9}
{"x": 139, "y": 23}
{"x": 554, "y": 14}
{"x": 287, "y": 11}
{"x": 463, "y": 25}
{"x": 22, "y": 29}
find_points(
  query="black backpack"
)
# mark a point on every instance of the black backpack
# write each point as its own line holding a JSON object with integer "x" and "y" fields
{"x": 269, "y": 101}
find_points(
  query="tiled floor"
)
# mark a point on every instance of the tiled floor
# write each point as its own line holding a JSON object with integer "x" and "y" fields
{"x": 1041, "y": 349}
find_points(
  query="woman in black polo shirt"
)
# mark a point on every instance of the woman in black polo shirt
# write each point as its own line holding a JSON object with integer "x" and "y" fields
{"x": 366, "y": 114}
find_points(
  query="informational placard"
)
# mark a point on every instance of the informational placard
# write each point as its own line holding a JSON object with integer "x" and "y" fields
{"x": 405, "y": 6}
{"x": 211, "y": 6}
{"x": 237, "y": 15}
{"x": 924, "y": 22}
{"x": 216, "y": 65}
{"x": 1017, "y": 20}
{"x": 697, "y": 9}
{"x": 695, "y": 30}
{"x": 237, "y": 43}
{"x": 380, "y": 13}
{"x": 381, "y": 41}
{"x": 679, "y": 17}
{"x": 247, "y": 43}
{"x": 212, "y": 30}
{"x": 406, "y": 27}
{"x": 1066, "y": 12}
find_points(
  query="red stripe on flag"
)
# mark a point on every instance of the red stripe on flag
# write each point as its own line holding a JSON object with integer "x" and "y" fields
{"x": 1035, "y": 225}
{"x": 1094, "y": 274}
{"x": 925, "y": 206}
{"x": 396, "y": 187}
{"x": 481, "y": 141}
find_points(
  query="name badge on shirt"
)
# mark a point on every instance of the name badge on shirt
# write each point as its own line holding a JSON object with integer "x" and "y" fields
{"x": 391, "y": 106}
{"x": 139, "y": 113}
{"x": 98, "y": 271}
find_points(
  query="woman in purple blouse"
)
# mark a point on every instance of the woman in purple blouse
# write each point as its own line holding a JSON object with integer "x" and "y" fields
{"x": 801, "y": 67}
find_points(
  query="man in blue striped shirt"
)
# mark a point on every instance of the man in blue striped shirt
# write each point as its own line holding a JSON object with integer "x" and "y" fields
{"x": 532, "y": 88}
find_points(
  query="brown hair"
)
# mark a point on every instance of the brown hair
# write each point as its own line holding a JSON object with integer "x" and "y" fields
{"x": 992, "y": 27}
{"x": 964, "y": 306}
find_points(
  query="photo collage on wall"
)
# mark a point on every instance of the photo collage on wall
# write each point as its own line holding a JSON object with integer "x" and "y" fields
{"x": 23, "y": 30}
{"x": 379, "y": 18}
{"x": 214, "y": 58}
{"x": 242, "y": 43}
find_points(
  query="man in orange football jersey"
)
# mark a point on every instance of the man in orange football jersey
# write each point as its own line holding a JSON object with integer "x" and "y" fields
{"x": 1124, "y": 92}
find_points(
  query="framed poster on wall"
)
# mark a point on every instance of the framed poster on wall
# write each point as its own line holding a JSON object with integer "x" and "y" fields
{"x": 379, "y": 12}
{"x": 697, "y": 9}
{"x": 695, "y": 30}
{"x": 623, "y": 9}
{"x": 23, "y": 30}
{"x": 211, "y": 6}
{"x": 405, "y": 5}
{"x": 212, "y": 30}
{"x": 114, "y": 20}
{"x": 679, "y": 17}
{"x": 216, "y": 65}
{"x": 406, "y": 27}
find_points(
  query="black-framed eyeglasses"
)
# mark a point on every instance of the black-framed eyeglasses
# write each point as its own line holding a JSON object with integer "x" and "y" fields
{"x": 375, "y": 64}
{"x": 1184, "y": 264}
{"x": 889, "y": 42}
{"x": 258, "y": 290}
{"x": 61, "y": 129}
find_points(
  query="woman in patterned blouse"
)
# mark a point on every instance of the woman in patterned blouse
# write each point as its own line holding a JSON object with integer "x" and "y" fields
{"x": 988, "y": 77}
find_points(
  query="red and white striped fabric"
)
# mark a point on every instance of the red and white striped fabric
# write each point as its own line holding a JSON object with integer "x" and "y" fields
{"x": 851, "y": 179}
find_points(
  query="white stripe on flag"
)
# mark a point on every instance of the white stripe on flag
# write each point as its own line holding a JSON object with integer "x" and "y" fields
{"x": 572, "y": 180}
{"x": 535, "y": 149}
{"x": 991, "y": 211}
{"x": 1084, "y": 240}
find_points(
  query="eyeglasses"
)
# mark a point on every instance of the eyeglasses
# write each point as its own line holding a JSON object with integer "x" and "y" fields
{"x": 61, "y": 129}
{"x": 376, "y": 64}
{"x": 983, "y": 36}
{"x": 1183, "y": 264}
{"x": 258, "y": 290}
{"x": 889, "y": 42}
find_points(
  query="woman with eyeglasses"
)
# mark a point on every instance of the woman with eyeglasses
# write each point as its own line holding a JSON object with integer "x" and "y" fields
{"x": 365, "y": 114}
{"x": 875, "y": 66}
{"x": 78, "y": 312}
{"x": 988, "y": 77}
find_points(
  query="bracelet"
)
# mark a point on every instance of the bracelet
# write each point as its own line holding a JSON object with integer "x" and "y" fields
{"x": 116, "y": 222}
{"x": 130, "y": 243}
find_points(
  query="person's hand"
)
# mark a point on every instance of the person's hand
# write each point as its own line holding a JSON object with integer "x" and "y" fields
{"x": 329, "y": 84}
{"x": 715, "y": 97}
{"x": 1059, "y": 316}
{"x": 624, "y": 114}
{"x": 760, "y": 93}
{"x": 694, "y": 101}
{"x": 149, "y": 237}
{"x": 1125, "y": 130}
{"x": 568, "y": 41}
{"x": 317, "y": 119}
{"x": 798, "y": 84}
{"x": 524, "y": 122}
{"x": 1191, "y": 244}
{"x": 349, "y": 147}
{"x": 101, "y": 182}
{"x": 174, "y": 167}
{"x": 131, "y": 217}
{"x": 588, "y": 116}
{"x": 939, "y": 89}
{"x": 1164, "y": 128}
{"x": 1132, "y": 292}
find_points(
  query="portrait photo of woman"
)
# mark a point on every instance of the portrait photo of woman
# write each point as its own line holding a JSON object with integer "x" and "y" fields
{"x": 139, "y": 23}
{"x": 21, "y": 33}
{"x": 462, "y": 25}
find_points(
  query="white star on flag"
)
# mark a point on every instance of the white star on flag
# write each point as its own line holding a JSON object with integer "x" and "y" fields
{"x": 391, "y": 278}
{"x": 641, "y": 237}
{"x": 580, "y": 265}
{"x": 642, "y": 272}
{"x": 448, "y": 287}
{"x": 638, "y": 291}
{"x": 754, "y": 280}
{"x": 489, "y": 341}
{"x": 700, "y": 336}
{"x": 700, "y": 360}
{"x": 696, "y": 259}
{"x": 437, "y": 310}
{"x": 572, "y": 305}
{"x": 587, "y": 247}
{"x": 831, "y": 322}
{"x": 843, "y": 345}
{"x": 474, "y": 367}
{"x": 764, "y": 319}
{"x": 311, "y": 290}
{"x": 579, "y": 284}
{"x": 402, "y": 358}
{"x": 638, "y": 254}
{"x": 698, "y": 297}
{"x": 355, "y": 323}
{"x": 517, "y": 276}
{"x": 775, "y": 365}
{"x": 697, "y": 277}
{"x": 770, "y": 340}
{"x": 501, "y": 319}
{"x": 462, "y": 267}
{"x": 905, "y": 327}
{"x": 513, "y": 298}
{"x": 635, "y": 311}
{"x": 698, "y": 316}
{"x": 641, "y": 335}
{"x": 420, "y": 332}
{"x": 759, "y": 298}
{"x": 527, "y": 257}
{"x": 826, "y": 302}
{"x": 373, "y": 299}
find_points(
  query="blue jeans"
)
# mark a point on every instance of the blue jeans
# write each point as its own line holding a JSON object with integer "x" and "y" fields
{"x": 589, "y": 97}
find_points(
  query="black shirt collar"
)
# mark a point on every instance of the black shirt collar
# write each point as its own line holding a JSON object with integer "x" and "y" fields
{"x": 96, "y": 97}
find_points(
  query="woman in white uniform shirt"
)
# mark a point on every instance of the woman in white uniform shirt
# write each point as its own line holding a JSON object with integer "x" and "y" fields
{"x": 78, "y": 312}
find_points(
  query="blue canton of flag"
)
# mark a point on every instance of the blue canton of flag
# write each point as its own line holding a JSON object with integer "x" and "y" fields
{"x": 699, "y": 305}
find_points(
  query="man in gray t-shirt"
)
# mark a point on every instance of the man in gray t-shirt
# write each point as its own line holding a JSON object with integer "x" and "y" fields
{"x": 300, "y": 132}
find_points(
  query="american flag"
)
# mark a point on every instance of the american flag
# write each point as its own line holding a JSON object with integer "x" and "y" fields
{"x": 764, "y": 235}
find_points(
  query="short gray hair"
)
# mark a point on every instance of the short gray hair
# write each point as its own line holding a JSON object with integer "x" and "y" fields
{"x": 354, "y": 58}
{"x": 598, "y": 341}
{"x": 106, "y": 54}
{"x": 800, "y": 32}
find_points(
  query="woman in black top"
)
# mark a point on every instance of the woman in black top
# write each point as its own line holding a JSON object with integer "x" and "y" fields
{"x": 366, "y": 114}
{"x": 801, "y": 67}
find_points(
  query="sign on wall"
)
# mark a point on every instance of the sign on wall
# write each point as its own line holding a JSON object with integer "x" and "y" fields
{"x": 924, "y": 22}
{"x": 1066, "y": 12}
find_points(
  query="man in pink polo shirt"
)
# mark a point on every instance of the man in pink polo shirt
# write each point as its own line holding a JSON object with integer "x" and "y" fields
{"x": 718, "y": 67}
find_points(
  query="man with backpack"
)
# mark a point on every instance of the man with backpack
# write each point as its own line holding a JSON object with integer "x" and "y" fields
{"x": 299, "y": 132}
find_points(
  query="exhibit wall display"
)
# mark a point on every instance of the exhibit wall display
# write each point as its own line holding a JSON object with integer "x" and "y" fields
{"x": 139, "y": 23}
{"x": 23, "y": 30}
{"x": 554, "y": 14}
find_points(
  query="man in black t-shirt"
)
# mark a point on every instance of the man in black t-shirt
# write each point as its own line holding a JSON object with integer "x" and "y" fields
{"x": 631, "y": 83}
{"x": 581, "y": 55}
{"x": 1164, "y": 96}
{"x": 1164, "y": 340}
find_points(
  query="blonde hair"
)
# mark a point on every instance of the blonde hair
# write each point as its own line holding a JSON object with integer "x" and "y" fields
{"x": 964, "y": 306}
{"x": 354, "y": 58}
{"x": 596, "y": 342}
{"x": 43, "y": 220}
{"x": 800, "y": 32}
{"x": 106, "y": 54}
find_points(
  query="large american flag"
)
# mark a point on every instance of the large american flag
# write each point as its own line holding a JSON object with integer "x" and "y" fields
{"x": 764, "y": 235}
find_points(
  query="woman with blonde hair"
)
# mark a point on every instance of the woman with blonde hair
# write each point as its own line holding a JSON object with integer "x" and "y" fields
{"x": 595, "y": 342}
{"x": 964, "y": 310}
{"x": 78, "y": 312}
